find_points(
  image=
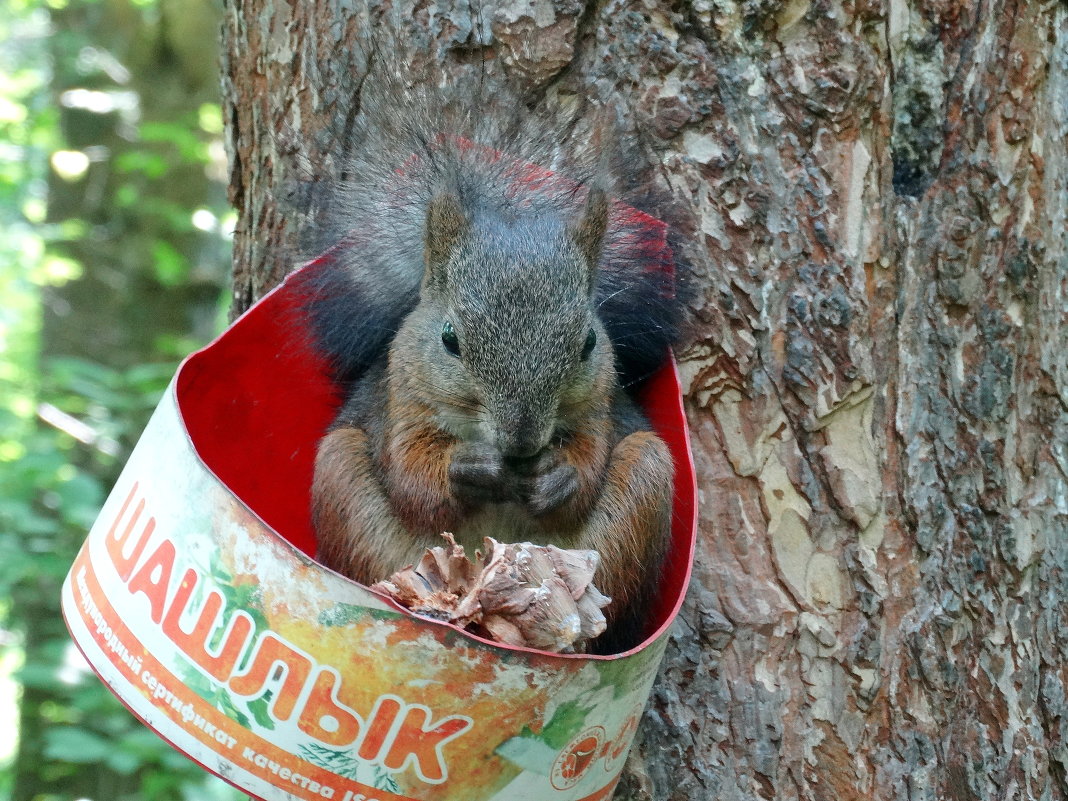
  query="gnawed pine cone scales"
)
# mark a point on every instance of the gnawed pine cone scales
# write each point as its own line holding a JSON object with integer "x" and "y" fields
{"x": 520, "y": 594}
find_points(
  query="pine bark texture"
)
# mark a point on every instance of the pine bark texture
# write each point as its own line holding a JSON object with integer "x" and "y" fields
{"x": 875, "y": 195}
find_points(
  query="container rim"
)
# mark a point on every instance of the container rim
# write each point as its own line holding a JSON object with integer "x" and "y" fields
{"x": 275, "y": 310}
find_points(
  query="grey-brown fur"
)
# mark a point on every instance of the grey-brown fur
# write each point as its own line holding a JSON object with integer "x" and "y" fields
{"x": 409, "y": 146}
{"x": 492, "y": 404}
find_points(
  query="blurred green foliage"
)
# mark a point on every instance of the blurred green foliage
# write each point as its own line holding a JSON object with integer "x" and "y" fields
{"x": 113, "y": 265}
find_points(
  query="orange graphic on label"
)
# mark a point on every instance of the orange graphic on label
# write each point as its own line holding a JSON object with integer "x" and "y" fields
{"x": 395, "y": 735}
{"x": 576, "y": 758}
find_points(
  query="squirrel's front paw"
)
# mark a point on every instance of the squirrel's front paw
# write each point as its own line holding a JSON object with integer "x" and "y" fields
{"x": 549, "y": 490}
{"x": 477, "y": 474}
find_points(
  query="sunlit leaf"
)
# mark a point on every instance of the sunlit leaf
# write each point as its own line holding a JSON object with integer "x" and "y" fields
{"x": 56, "y": 271}
{"x": 152, "y": 165}
{"x": 170, "y": 265}
{"x": 73, "y": 744}
{"x": 124, "y": 762}
{"x": 189, "y": 145}
{"x": 210, "y": 119}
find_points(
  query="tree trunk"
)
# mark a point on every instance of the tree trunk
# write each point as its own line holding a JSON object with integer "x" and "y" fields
{"x": 874, "y": 196}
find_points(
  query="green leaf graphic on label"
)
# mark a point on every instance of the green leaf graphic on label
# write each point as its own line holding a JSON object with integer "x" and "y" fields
{"x": 624, "y": 676}
{"x": 226, "y": 704}
{"x": 344, "y": 764}
{"x": 258, "y": 707}
{"x": 569, "y": 720}
{"x": 211, "y": 692}
{"x": 339, "y": 762}
{"x": 249, "y": 599}
{"x": 383, "y": 781}
{"x": 344, "y": 614}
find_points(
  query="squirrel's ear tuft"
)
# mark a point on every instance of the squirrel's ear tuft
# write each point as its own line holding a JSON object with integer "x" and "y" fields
{"x": 445, "y": 225}
{"x": 589, "y": 230}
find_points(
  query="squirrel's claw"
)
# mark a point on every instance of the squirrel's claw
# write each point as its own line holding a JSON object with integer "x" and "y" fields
{"x": 477, "y": 474}
{"x": 551, "y": 490}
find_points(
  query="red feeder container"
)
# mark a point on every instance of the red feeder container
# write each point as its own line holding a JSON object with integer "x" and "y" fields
{"x": 197, "y": 600}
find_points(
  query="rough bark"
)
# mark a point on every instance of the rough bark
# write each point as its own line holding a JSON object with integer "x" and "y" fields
{"x": 875, "y": 197}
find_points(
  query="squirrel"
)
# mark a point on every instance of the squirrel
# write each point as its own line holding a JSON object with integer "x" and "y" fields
{"x": 487, "y": 320}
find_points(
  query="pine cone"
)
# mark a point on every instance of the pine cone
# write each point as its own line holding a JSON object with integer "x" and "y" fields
{"x": 519, "y": 593}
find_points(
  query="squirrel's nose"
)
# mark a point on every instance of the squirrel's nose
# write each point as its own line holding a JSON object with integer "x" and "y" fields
{"x": 523, "y": 433}
{"x": 522, "y": 446}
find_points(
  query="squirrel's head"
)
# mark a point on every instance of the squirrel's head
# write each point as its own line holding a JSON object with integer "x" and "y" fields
{"x": 505, "y": 343}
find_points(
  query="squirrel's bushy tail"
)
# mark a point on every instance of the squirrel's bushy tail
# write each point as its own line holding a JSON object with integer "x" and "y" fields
{"x": 409, "y": 144}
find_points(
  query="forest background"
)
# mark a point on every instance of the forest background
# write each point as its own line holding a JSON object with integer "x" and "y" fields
{"x": 114, "y": 264}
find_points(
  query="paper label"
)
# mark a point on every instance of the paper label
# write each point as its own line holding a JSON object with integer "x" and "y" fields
{"x": 290, "y": 681}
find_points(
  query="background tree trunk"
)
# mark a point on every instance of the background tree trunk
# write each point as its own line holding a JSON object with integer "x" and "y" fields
{"x": 877, "y": 376}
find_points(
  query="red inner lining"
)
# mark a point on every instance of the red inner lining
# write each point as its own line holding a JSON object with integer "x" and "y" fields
{"x": 256, "y": 401}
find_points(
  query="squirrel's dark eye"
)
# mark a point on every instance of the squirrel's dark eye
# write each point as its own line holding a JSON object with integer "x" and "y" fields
{"x": 587, "y": 347}
{"x": 449, "y": 339}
